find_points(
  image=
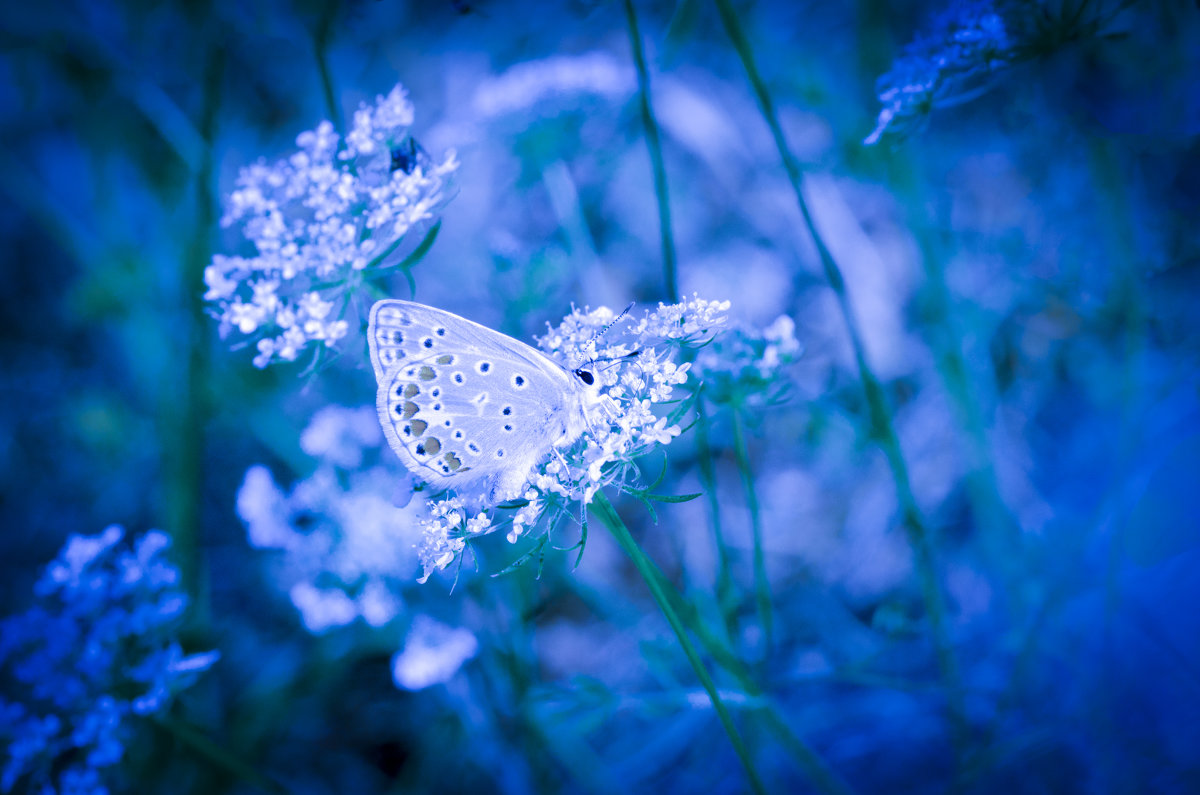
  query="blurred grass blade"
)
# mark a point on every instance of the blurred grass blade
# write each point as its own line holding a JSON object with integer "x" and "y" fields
{"x": 654, "y": 144}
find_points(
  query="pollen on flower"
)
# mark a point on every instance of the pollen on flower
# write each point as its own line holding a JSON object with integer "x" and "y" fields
{"x": 332, "y": 210}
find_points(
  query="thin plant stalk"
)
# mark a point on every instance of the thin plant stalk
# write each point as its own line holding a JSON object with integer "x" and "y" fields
{"x": 708, "y": 479}
{"x": 608, "y": 515}
{"x": 819, "y": 773}
{"x": 822, "y": 777}
{"x": 216, "y": 755}
{"x": 321, "y": 38}
{"x": 184, "y": 407}
{"x": 993, "y": 516}
{"x": 880, "y": 414}
{"x": 762, "y": 588}
{"x": 1125, "y": 302}
{"x": 654, "y": 144}
{"x": 999, "y": 529}
{"x": 510, "y": 675}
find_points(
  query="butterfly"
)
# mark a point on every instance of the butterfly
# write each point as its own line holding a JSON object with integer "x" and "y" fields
{"x": 468, "y": 408}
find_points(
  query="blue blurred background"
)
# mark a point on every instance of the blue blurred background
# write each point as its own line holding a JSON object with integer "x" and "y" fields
{"x": 1023, "y": 263}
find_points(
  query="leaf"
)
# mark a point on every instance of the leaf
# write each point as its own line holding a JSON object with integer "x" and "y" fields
{"x": 673, "y": 498}
{"x": 537, "y": 549}
{"x": 661, "y": 476}
{"x": 405, "y": 265}
{"x": 422, "y": 248}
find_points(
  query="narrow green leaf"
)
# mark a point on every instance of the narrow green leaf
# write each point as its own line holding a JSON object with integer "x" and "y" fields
{"x": 674, "y": 498}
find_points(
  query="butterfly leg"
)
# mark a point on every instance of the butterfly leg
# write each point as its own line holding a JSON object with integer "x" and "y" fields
{"x": 608, "y": 409}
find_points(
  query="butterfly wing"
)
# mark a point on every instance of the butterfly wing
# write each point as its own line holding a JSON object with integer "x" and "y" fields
{"x": 466, "y": 407}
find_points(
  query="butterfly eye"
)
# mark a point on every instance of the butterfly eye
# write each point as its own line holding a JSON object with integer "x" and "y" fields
{"x": 585, "y": 377}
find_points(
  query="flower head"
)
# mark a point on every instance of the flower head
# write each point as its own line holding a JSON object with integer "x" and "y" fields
{"x": 635, "y": 369}
{"x": 746, "y": 364}
{"x": 965, "y": 45}
{"x": 96, "y": 649}
{"x": 345, "y": 533}
{"x": 320, "y": 221}
{"x": 432, "y": 654}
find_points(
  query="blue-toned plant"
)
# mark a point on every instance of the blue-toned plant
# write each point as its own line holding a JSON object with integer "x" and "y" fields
{"x": 969, "y": 44}
{"x": 97, "y": 652}
{"x": 321, "y": 224}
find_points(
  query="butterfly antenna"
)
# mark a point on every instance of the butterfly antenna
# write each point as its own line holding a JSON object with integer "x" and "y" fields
{"x": 615, "y": 360}
{"x": 603, "y": 331}
{"x": 612, "y": 323}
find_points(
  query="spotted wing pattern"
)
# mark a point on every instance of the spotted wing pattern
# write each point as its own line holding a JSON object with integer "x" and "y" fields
{"x": 466, "y": 407}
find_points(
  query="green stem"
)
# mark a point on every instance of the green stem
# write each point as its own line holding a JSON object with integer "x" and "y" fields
{"x": 1125, "y": 303}
{"x": 819, "y": 773}
{"x": 321, "y": 51}
{"x": 215, "y": 754}
{"x": 564, "y": 198}
{"x": 814, "y": 766}
{"x": 999, "y": 531}
{"x": 880, "y": 414}
{"x": 184, "y": 408}
{"x": 708, "y": 479}
{"x": 608, "y": 515}
{"x": 762, "y": 589}
{"x": 654, "y": 144}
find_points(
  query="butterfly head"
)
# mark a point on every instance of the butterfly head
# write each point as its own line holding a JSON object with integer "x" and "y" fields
{"x": 595, "y": 409}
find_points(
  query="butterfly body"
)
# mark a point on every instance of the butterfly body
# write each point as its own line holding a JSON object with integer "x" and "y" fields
{"x": 469, "y": 408}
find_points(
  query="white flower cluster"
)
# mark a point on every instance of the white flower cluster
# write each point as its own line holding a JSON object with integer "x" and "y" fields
{"x": 346, "y": 532}
{"x": 635, "y": 370}
{"x": 320, "y": 221}
{"x": 746, "y": 364}
{"x": 433, "y": 653}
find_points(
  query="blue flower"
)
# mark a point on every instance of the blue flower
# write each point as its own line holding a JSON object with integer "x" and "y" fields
{"x": 97, "y": 647}
{"x": 950, "y": 64}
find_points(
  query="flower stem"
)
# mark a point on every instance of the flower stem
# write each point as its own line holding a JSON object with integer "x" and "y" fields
{"x": 708, "y": 479}
{"x": 762, "y": 588}
{"x": 321, "y": 38}
{"x": 608, "y": 515}
{"x": 654, "y": 144}
{"x": 944, "y": 333}
{"x": 184, "y": 405}
{"x": 216, "y": 755}
{"x": 822, "y": 777}
{"x": 880, "y": 414}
